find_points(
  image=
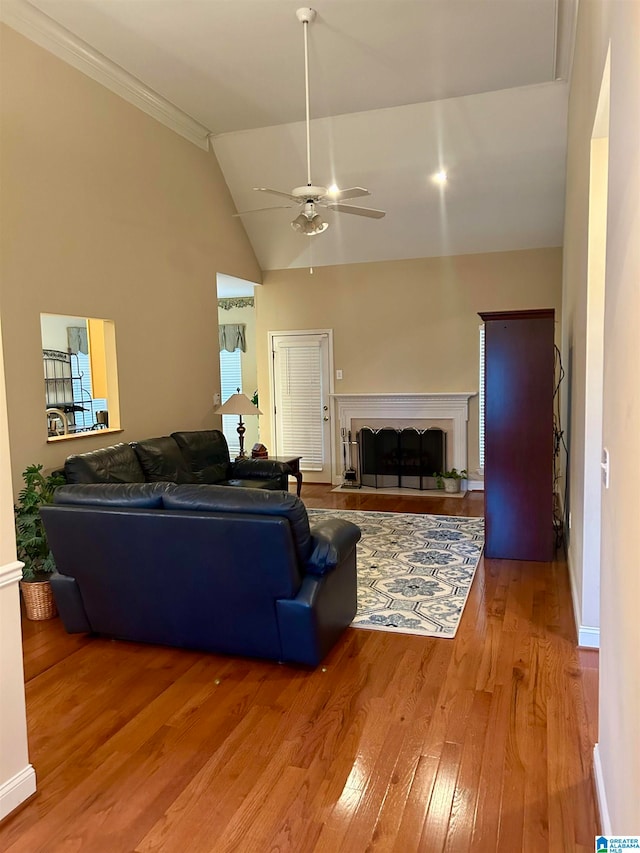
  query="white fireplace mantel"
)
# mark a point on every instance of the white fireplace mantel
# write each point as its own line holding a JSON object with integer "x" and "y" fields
{"x": 453, "y": 406}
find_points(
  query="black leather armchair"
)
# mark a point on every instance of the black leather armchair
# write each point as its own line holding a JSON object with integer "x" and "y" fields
{"x": 235, "y": 571}
{"x": 201, "y": 456}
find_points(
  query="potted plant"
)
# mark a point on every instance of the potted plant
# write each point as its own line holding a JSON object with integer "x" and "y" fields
{"x": 31, "y": 542}
{"x": 450, "y": 480}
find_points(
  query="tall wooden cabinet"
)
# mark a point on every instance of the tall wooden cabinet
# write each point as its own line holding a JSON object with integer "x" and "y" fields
{"x": 518, "y": 469}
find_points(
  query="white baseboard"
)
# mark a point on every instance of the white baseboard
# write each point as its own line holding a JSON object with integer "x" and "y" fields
{"x": 588, "y": 638}
{"x": 16, "y": 790}
{"x": 605, "y": 820}
{"x": 588, "y": 635}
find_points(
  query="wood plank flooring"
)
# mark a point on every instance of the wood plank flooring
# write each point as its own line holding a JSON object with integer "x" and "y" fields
{"x": 397, "y": 743}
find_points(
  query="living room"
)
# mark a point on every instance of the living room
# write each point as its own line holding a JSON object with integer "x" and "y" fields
{"x": 108, "y": 213}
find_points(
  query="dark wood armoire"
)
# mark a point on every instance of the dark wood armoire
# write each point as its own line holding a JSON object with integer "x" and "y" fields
{"x": 518, "y": 467}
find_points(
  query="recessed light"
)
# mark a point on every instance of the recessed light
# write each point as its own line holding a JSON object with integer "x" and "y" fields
{"x": 440, "y": 177}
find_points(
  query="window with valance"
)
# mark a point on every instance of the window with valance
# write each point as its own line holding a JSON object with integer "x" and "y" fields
{"x": 231, "y": 336}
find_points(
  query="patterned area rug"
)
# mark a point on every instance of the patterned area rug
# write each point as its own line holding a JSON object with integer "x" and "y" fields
{"x": 414, "y": 571}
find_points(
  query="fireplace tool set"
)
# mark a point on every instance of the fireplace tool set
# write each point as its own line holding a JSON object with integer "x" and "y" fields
{"x": 350, "y": 474}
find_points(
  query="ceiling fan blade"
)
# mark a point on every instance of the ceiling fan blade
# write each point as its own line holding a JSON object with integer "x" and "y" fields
{"x": 352, "y": 192}
{"x": 371, "y": 212}
{"x": 260, "y": 209}
{"x": 276, "y": 192}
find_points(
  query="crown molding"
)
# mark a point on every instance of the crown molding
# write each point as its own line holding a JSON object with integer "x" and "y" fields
{"x": 44, "y": 31}
{"x": 566, "y": 19}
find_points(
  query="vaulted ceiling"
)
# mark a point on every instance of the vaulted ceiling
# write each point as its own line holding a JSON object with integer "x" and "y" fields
{"x": 400, "y": 89}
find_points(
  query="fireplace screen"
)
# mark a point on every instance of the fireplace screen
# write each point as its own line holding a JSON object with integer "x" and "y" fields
{"x": 406, "y": 458}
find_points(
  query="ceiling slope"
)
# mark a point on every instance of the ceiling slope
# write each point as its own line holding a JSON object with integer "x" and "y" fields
{"x": 399, "y": 90}
{"x": 504, "y": 153}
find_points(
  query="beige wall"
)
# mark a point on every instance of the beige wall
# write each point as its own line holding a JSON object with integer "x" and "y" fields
{"x": 618, "y": 755}
{"x": 406, "y": 326}
{"x": 107, "y": 213}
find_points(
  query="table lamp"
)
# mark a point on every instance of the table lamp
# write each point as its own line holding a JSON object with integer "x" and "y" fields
{"x": 239, "y": 404}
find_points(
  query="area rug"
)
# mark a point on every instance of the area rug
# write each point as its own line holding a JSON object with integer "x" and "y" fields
{"x": 414, "y": 570}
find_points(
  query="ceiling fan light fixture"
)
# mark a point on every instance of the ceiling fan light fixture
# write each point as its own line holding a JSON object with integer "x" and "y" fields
{"x": 299, "y": 223}
{"x": 317, "y": 226}
{"x": 309, "y": 225}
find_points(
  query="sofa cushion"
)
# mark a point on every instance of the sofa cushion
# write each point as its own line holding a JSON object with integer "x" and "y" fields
{"x": 137, "y": 495}
{"x": 162, "y": 461}
{"x": 206, "y": 453}
{"x": 116, "y": 464}
{"x": 254, "y": 501}
{"x": 273, "y": 485}
{"x": 213, "y": 474}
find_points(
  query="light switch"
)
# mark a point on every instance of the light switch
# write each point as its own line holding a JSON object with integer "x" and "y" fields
{"x": 216, "y": 398}
{"x": 338, "y": 374}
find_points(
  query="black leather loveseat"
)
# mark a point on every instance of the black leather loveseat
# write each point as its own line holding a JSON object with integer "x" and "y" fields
{"x": 200, "y": 456}
{"x": 236, "y": 571}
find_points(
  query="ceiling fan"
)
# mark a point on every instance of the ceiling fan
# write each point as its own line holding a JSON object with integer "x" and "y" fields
{"x": 311, "y": 197}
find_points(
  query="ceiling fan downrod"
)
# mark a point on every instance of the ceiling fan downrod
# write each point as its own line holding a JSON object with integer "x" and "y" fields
{"x": 309, "y": 197}
{"x": 306, "y": 16}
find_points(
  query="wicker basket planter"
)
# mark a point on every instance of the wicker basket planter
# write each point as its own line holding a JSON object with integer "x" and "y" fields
{"x": 38, "y": 600}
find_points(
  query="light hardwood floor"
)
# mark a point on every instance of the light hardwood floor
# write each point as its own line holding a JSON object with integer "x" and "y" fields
{"x": 397, "y": 743}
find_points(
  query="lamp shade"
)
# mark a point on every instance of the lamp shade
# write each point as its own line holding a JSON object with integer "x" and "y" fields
{"x": 238, "y": 404}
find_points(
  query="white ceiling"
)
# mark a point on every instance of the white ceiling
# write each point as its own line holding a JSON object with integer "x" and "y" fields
{"x": 504, "y": 153}
{"x": 228, "y": 286}
{"x": 399, "y": 89}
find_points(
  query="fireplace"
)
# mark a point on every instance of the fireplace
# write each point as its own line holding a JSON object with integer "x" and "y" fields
{"x": 450, "y": 412}
{"x": 401, "y": 458}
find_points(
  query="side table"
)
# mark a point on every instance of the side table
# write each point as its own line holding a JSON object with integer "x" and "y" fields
{"x": 294, "y": 463}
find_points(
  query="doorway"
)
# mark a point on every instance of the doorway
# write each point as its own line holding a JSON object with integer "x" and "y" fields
{"x": 237, "y": 344}
{"x": 594, "y": 369}
{"x": 301, "y": 386}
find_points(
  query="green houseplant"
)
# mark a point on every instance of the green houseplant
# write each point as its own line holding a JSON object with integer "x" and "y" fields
{"x": 31, "y": 541}
{"x": 450, "y": 480}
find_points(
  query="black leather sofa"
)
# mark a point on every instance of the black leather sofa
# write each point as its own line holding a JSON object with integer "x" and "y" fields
{"x": 235, "y": 571}
{"x": 200, "y": 456}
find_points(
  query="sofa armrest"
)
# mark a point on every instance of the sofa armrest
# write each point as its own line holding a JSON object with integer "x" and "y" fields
{"x": 258, "y": 469}
{"x": 69, "y": 603}
{"x": 312, "y": 622}
{"x": 332, "y": 539}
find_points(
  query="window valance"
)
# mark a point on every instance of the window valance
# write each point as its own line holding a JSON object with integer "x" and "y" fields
{"x": 77, "y": 339}
{"x": 236, "y": 302}
{"x": 231, "y": 337}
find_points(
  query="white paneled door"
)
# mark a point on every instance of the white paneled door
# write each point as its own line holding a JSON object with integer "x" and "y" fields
{"x": 301, "y": 387}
